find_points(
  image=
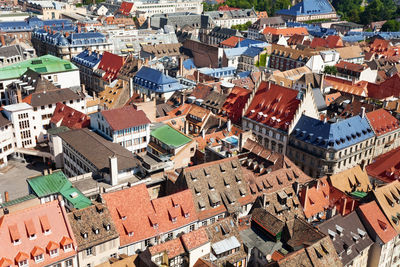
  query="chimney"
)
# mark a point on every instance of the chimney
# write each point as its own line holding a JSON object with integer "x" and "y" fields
{"x": 113, "y": 170}
{"x": 180, "y": 66}
{"x": 6, "y": 196}
{"x": 203, "y": 134}
{"x": 2, "y": 40}
{"x": 19, "y": 95}
{"x": 6, "y": 211}
{"x": 264, "y": 200}
{"x": 397, "y": 105}
{"x": 344, "y": 206}
{"x": 229, "y": 125}
{"x": 362, "y": 112}
{"x": 83, "y": 89}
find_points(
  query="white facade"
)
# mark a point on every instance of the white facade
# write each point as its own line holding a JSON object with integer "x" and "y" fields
{"x": 148, "y": 9}
{"x": 199, "y": 252}
{"x": 22, "y": 117}
{"x": 134, "y": 139}
{"x": 6, "y": 143}
{"x": 98, "y": 254}
{"x": 317, "y": 63}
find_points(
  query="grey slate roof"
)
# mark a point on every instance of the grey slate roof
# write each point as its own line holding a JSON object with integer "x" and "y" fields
{"x": 354, "y": 237}
{"x": 11, "y": 51}
{"x": 181, "y": 19}
{"x": 233, "y": 14}
{"x": 319, "y": 99}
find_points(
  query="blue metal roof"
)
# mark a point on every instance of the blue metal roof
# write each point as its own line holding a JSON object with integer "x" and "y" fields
{"x": 252, "y": 51}
{"x": 155, "y": 80}
{"x": 244, "y": 74}
{"x": 189, "y": 64}
{"x": 308, "y": 7}
{"x": 218, "y": 72}
{"x": 87, "y": 59}
{"x": 32, "y": 23}
{"x": 234, "y": 52}
{"x": 336, "y": 135}
{"x": 248, "y": 42}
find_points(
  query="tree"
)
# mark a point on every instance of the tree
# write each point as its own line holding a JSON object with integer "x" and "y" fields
{"x": 330, "y": 70}
{"x": 242, "y": 27}
{"x": 391, "y": 26}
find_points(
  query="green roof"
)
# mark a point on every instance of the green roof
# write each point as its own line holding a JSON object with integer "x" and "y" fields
{"x": 169, "y": 136}
{"x": 44, "y": 64}
{"x": 58, "y": 183}
{"x": 358, "y": 194}
{"x": 18, "y": 200}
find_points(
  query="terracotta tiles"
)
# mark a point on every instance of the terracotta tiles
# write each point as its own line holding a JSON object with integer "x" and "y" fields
{"x": 382, "y": 121}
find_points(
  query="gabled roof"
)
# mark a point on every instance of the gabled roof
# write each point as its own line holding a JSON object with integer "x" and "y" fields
{"x": 345, "y": 66}
{"x": 388, "y": 199}
{"x": 373, "y": 216}
{"x": 58, "y": 183}
{"x": 87, "y": 58}
{"x": 125, "y": 117}
{"x": 382, "y": 122}
{"x": 308, "y": 7}
{"x": 267, "y": 221}
{"x": 194, "y": 239}
{"x": 286, "y": 31}
{"x": 42, "y": 98}
{"x": 338, "y": 135}
{"x": 156, "y": 80}
{"x": 173, "y": 248}
{"x": 273, "y": 105}
{"x": 235, "y": 103}
{"x": 315, "y": 199}
{"x": 386, "y": 167}
{"x": 126, "y": 8}
{"x": 110, "y": 64}
{"x": 148, "y": 218}
{"x": 35, "y": 216}
{"x": 69, "y": 117}
{"x": 231, "y": 41}
{"x": 351, "y": 180}
{"x": 332, "y": 41}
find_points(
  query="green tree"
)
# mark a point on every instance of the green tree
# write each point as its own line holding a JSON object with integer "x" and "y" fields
{"x": 391, "y": 26}
{"x": 330, "y": 70}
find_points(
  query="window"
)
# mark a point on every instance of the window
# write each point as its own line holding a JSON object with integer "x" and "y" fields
{"x": 39, "y": 258}
{"x": 89, "y": 251}
{"x": 191, "y": 228}
{"x": 54, "y": 252}
{"x": 23, "y": 263}
{"x": 67, "y": 247}
{"x": 170, "y": 236}
{"x": 68, "y": 263}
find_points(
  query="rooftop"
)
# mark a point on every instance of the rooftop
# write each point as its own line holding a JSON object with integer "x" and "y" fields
{"x": 125, "y": 117}
{"x": 169, "y": 136}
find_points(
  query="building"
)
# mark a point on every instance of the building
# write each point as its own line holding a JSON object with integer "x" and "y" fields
{"x": 387, "y": 131}
{"x": 387, "y": 197}
{"x": 37, "y": 235}
{"x": 352, "y": 54}
{"x": 229, "y": 18}
{"x": 219, "y": 34}
{"x": 285, "y": 58}
{"x": 349, "y": 237}
{"x": 49, "y": 187}
{"x": 249, "y": 59}
{"x": 218, "y": 189}
{"x": 154, "y": 84}
{"x": 382, "y": 252}
{"x": 256, "y": 29}
{"x": 60, "y": 71}
{"x": 142, "y": 222}
{"x": 66, "y": 46}
{"x": 234, "y": 104}
{"x": 309, "y": 10}
{"x": 68, "y": 117}
{"x": 14, "y": 54}
{"x": 273, "y": 113}
{"x": 321, "y": 148}
{"x": 73, "y": 150}
{"x": 385, "y": 168}
{"x": 125, "y": 126}
{"x": 96, "y": 235}
{"x": 87, "y": 62}
{"x": 355, "y": 72}
{"x": 170, "y": 145}
{"x": 196, "y": 244}
{"x": 147, "y": 9}
{"x": 107, "y": 71}
{"x": 171, "y": 253}
{"x": 6, "y": 140}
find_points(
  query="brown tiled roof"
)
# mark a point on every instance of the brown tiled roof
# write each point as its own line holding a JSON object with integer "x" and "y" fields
{"x": 302, "y": 233}
{"x": 267, "y": 221}
{"x": 161, "y": 50}
{"x": 382, "y": 121}
{"x": 87, "y": 221}
{"x": 173, "y": 248}
{"x": 388, "y": 197}
{"x": 84, "y": 140}
{"x": 351, "y": 180}
{"x": 343, "y": 65}
{"x": 386, "y": 167}
{"x": 3, "y": 120}
{"x": 218, "y": 181}
{"x": 284, "y": 204}
{"x": 194, "y": 239}
{"x": 52, "y": 97}
{"x": 323, "y": 253}
{"x": 125, "y": 117}
{"x": 349, "y": 52}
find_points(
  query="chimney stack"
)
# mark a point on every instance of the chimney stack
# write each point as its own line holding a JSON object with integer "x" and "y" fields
{"x": 113, "y": 162}
{"x": 229, "y": 125}
{"x": 6, "y": 196}
{"x": 19, "y": 95}
{"x": 362, "y": 112}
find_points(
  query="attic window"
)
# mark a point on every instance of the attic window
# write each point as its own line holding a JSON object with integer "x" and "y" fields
{"x": 339, "y": 229}
{"x": 84, "y": 235}
{"x": 130, "y": 234}
{"x": 107, "y": 226}
{"x": 96, "y": 231}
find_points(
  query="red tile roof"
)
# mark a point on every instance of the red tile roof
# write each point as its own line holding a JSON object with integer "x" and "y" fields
{"x": 4, "y": 262}
{"x": 142, "y": 219}
{"x": 235, "y": 103}
{"x": 110, "y": 64}
{"x": 332, "y": 41}
{"x": 378, "y": 222}
{"x": 173, "y": 248}
{"x": 227, "y": 8}
{"x": 36, "y": 251}
{"x": 285, "y": 31}
{"x": 66, "y": 116}
{"x": 195, "y": 239}
{"x": 273, "y": 105}
{"x": 126, "y": 8}
{"x": 382, "y": 122}
{"x": 34, "y": 217}
{"x": 331, "y": 97}
{"x": 343, "y": 65}
{"x": 315, "y": 199}
{"x": 231, "y": 41}
{"x": 345, "y": 86}
{"x": 386, "y": 167}
{"x": 125, "y": 117}
{"x": 388, "y": 88}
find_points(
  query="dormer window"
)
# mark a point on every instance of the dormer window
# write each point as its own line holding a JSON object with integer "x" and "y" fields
{"x": 107, "y": 226}
{"x": 96, "y": 231}
{"x": 187, "y": 215}
{"x": 47, "y": 232}
{"x": 23, "y": 263}
{"x": 155, "y": 226}
{"x": 173, "y": 219}
{"x": 67, "y": 247}
{"x": 85, "y": 235}
{"x": 130, "y": 234}
{"x": 16, "y": 242}
{"x": 39, "y": 258}
{"x": 31, "y": 237}
{"x": 123, "y": 218}
{"x": 54, "y": 252}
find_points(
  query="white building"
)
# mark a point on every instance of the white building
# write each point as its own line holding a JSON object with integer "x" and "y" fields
{"x": 317, "y": 63}
{"x": 150, "y": 8}
{"x": 126, "y": 126}
{"x": 229, "y": 18}
{"x": 6, "y": 140}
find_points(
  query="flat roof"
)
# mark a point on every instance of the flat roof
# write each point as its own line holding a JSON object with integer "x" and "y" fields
{"x": 169, "y": 136}
{"x": 16, "y": 107}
